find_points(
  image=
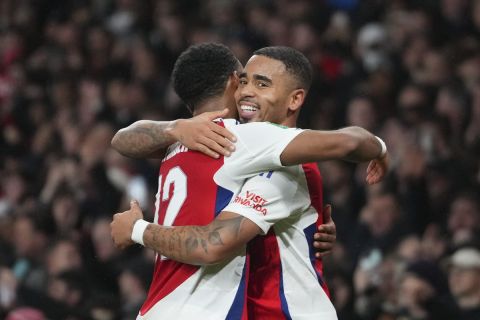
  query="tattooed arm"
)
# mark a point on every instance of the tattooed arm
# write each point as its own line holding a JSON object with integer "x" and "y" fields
{"x": 199, "y": 245}
{"x": 149, "y": 139}
{"x": 144, "y": 139}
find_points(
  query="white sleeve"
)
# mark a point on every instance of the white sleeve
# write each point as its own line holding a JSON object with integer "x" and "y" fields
{"x": 266, "y": 199}
{"x": 258, "y": 147}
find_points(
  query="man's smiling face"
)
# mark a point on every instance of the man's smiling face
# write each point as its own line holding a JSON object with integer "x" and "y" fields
{"x": 264, "y": 90}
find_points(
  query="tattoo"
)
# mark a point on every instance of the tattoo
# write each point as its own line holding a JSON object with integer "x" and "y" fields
{"x": 204, "y": 245}
{"x": 142, "y": 138}
{"x": 183, "y": 242}
{"x": 191, "y": 244}
{"x": 214, "y": 238}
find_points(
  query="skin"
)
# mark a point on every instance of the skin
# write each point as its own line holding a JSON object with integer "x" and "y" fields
{"x": 266, "y": 85}
{"x": 149, "y": 139}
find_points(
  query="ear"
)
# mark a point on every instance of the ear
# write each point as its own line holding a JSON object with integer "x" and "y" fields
{"x": 297, "y": 97}
{"x": 233, "y": 80}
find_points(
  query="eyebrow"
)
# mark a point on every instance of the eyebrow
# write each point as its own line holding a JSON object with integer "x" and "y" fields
{"x": 256, "y": 77}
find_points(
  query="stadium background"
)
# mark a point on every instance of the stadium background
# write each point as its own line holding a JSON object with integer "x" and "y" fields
{"x": 74, "y": 72}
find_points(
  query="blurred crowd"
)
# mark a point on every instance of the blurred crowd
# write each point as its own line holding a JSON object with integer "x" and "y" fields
{"x": 74, "y": 72}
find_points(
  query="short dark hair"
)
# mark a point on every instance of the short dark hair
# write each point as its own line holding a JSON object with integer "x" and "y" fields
{"x": 202, "y": 72}
{"x": 295, "y": 62}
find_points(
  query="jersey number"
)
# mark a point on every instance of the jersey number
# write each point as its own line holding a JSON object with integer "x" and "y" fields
{"x": 177, "y": 179}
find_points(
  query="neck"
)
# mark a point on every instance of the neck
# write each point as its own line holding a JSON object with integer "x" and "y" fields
{"x": 215, "y": 104}
{"x": 291, "y": 120}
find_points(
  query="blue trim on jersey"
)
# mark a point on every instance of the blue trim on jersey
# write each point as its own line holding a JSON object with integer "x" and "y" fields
{"x": 237, "y": 307}
{"x": 283, "y": 299}
{"x": 223, "y": 198}
{"x": 309, "y": 231}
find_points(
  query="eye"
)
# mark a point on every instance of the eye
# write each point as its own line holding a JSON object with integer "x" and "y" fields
{"x": 242, "y": 81}
{"x": 262, "y": 84}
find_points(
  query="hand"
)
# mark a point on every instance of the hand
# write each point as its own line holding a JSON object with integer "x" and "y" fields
{"x": 201, "y": 134}
{"x": 377, "y": 169}
{"x": 324, "y": 239}
{"x": 122, "y": 225}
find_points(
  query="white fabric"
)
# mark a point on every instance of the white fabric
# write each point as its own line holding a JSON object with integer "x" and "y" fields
{"x": 209, "y": 293}
{"x": 383, "y": 145}
{"x": 138, "y": 231}
{"x": 283, "y": 202}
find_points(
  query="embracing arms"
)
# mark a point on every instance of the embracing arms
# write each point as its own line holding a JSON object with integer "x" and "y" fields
{"x": 149, "y": 139}
{"x": 224, "y": 237}
{"x": 350, "y": 144}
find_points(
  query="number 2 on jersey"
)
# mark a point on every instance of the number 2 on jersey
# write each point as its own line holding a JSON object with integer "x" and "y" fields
{"x": 177, "y": 179}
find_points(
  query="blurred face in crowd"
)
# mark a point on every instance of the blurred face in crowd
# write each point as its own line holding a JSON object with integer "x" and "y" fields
{"x": 383, "y": 212}
{"x": 464, "y": 215}
{"x": 62, "y": 257}
{"x": 266, "y": 91}
{"x": 360, "y": 112}
{"x": 412, "y": 103}
{"x": 464, "y": 281}
{"x": 103, "y": 244}
{"x": 65, "y": 212}
{"x": 413, "y": 292}
{"x": 28, "y": 240}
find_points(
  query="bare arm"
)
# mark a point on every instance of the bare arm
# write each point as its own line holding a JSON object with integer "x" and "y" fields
{"x": 149, "y": 139}
{"x": 144, "y": 139}
{"x": 351, "y": 144}
{"x": 200, "y": 245}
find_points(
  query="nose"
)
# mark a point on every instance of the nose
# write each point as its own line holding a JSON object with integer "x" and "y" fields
{"x": 245, "y": 90}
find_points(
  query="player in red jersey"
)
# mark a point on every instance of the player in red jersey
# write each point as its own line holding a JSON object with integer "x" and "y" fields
{"x": 183, "y": 243}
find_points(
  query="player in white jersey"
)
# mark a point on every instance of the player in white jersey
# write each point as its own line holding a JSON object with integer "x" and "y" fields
{"x": 332, "y": 145}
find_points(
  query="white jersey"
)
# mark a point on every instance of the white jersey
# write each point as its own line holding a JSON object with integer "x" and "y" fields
{"x": 285, "y": 280}
{"x": 193, "y": 189}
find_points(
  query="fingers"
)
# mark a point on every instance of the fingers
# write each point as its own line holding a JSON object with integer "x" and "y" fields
{"x": 322, "y": 246}
{"x": 374, "y": 172}
{"x": 326, "y": 228}
{"x": 223, "y": 132}
{"x": 371, "y": 166}
{"x": 134, "y": 205}
{"x": 205, "y": 150}
{"x": 212, "y": 115}
{"x": 212, "y": 146}
{"x": 213, "y": 143}
{"x": 221, "y": 136}
{"x": 323, "y": 237}
{"x": 377, "y": 169}
{"x": 322, "y": 254}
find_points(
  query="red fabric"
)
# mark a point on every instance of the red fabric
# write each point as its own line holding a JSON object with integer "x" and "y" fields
{"x": 264, "y": 279}
{"x": 198, "y": 209}
{"x": 315, "y": 189}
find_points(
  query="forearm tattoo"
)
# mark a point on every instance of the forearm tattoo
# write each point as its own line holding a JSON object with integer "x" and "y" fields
{"x": 142, "y": 139}
{"x": 188, "y": 243}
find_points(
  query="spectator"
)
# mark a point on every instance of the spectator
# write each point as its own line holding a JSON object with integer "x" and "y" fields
{"x": 464, "y": 280}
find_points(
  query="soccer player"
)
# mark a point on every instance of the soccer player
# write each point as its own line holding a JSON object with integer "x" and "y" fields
{"x": 217, "y": 292}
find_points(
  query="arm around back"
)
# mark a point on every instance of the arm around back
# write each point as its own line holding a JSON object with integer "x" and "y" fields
{"x": 221, "y": 239}
{"x": 351, "y": 144}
